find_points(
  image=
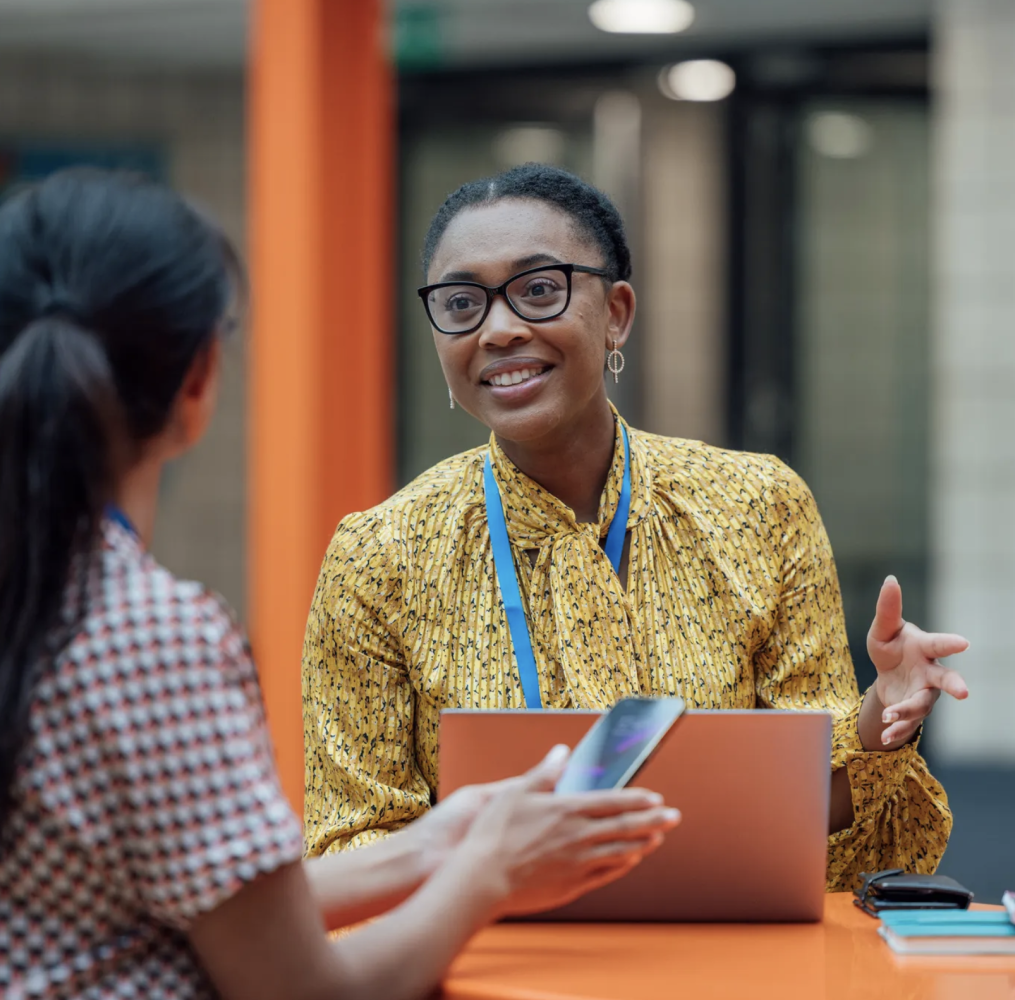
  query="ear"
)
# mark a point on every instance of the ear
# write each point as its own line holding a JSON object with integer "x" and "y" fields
{"x": 621, "y": 303}
{"x": 197, "y": 398}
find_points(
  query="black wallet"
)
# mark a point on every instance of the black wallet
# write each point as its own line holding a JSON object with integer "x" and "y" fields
{"x": 895, "y": 890}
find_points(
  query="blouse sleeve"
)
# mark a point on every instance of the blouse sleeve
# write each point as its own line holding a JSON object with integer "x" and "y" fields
{"x": 362, "y": 780}
{"x": 177, "y": 786}
{"x": 902, "y": 819}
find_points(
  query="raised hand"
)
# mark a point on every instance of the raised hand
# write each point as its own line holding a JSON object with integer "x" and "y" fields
{"x": 910, "y": 678}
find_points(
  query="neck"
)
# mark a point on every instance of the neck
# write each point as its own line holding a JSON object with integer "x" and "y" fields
{"x": 573, "y": 462}
{"x": 137, "y": 495}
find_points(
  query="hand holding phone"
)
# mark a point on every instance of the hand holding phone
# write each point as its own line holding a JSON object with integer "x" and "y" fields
{"x": 620, "y": 743}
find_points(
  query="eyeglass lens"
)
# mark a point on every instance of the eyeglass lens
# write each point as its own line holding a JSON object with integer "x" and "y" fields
{"x": 540, "y": 295}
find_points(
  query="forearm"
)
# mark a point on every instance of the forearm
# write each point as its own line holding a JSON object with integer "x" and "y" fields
{"x": 351, "y": 886}
{"x": 869, "y": 727}
{"x": 840, "y": 808}
{"x": 406, "y": 954}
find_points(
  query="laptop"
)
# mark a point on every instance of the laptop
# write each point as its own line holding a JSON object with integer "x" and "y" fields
{"x": 752, "y": 787}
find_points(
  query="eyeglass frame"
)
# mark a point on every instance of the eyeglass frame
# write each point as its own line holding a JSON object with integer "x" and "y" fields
{"x": 491, "y": 292}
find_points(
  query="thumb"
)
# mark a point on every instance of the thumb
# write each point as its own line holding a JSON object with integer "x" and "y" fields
{"x": 888, "y": 621}
{"x": 545, "y": 775}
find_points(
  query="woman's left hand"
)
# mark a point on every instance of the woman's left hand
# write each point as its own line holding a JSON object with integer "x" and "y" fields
{"x": 910, "y": 678}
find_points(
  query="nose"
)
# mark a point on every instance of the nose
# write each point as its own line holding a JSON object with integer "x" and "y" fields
{"x": 502, "y": 327}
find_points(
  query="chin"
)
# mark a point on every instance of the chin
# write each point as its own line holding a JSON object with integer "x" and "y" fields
{"x": 529, "y": 423}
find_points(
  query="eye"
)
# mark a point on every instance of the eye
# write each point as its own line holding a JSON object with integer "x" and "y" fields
{"x": 460, "y": 301}
{"x": 539, "y": 286}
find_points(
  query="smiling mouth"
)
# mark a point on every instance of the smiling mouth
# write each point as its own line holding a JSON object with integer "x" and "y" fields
{"x": 516, "y": 377}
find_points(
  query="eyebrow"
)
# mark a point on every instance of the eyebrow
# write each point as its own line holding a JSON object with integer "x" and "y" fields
{"x": 530, "y": 260}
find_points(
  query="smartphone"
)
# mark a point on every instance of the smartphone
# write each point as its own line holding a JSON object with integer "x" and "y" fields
{"x": 616, "y": 748}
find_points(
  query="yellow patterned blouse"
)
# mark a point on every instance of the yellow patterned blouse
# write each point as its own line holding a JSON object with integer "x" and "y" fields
{"x": 732, "y": 602}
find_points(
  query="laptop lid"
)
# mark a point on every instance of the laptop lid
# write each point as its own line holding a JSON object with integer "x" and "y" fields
{"x": 753, "y": 789}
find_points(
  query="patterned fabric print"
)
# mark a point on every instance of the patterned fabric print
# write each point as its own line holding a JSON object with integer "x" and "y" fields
{"x": 147, "y": 793}
{"x": 732, "y": 602}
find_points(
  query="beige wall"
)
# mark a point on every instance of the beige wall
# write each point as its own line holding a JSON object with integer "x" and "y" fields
{"x": 683, "y": 236}
{"x": 199, "y": 122}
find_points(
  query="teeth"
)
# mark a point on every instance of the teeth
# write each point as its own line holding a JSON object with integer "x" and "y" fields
{"x": 515, "y": 378}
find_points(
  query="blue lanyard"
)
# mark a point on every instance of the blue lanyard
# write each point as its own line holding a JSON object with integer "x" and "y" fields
{"x": 504, "y": 564}
{"x": 115, "y": 514}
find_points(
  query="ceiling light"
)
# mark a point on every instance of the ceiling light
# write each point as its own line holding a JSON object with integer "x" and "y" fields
{"x": 642, "y": 17}
{"x": 839, "y": 135}
{"x": 698, "y": 80}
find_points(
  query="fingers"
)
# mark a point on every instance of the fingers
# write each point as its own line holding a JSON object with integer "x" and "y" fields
{"x": 578, "y": 883}
{"x": 948, "y": 680}
{"x": 919, "y": 705}
{"x": 545, "y": 775}
{"x": 903, "y": 717}
{"x": 611, "y": 802}
{"x": 899, "y": 731}
{"x": 483, "y": 792}
{"x": 621, "y": 851}
{"x": 613, "y": 860}
{"x": 941, "y": 644}
{"x": 604, "y": 876}
{"x": 907, "y": 715}
{"x": 888, "y": 620}
{"x": 913, "y": 709}
{"x": 632, "y": 826}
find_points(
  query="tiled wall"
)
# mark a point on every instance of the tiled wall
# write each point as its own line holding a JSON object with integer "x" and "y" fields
{"x": 973, "y": 369}
{"x": 199, "y": 121}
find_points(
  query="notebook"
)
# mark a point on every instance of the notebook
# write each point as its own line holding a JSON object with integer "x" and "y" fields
{"x": 948, "y": 932}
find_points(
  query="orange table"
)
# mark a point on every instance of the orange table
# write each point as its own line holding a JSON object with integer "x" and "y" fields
{"x": 835, "y": 960}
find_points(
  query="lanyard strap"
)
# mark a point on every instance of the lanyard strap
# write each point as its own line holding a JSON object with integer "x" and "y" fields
{"x": 507, "y": 580}
{"x": 116, "y": 515}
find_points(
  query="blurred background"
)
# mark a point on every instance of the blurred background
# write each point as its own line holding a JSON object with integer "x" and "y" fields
{"x": 821, "y": 199}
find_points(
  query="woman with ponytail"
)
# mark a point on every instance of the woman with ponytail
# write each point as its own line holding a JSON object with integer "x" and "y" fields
{"x": 146, "y": 849}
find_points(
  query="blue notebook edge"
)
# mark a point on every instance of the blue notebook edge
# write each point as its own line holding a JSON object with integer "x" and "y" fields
{"x": 949, "y": 923}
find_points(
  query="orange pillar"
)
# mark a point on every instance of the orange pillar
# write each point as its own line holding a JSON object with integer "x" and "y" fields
{"x": 321, "y": 382}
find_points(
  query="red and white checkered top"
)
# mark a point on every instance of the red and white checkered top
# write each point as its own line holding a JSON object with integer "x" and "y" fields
{"x": 146, "y": 793}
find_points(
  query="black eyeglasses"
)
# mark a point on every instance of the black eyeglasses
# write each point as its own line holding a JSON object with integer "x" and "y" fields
{"x": 536, "y": 295}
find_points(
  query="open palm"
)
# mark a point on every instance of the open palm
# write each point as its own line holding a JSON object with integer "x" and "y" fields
{"x": 910, "y": 678}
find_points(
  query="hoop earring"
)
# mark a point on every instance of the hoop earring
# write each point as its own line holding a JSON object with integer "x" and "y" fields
{"x": 615, "y": 362}
{"x": 451, "y": 398}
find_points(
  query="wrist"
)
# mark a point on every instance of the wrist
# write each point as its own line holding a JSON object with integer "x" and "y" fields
{"x": 416, "y": 852}
{"x": 429, "y": 848}
{"x": 870, "y": 726}
{"x": 481, "y": 878}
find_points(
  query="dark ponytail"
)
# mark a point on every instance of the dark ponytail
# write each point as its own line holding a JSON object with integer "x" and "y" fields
{"x": 57, "y": 419}
{"x": 109, "y": 288}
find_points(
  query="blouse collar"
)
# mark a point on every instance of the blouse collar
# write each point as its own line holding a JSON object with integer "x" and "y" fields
{"x": 534, "y": 515}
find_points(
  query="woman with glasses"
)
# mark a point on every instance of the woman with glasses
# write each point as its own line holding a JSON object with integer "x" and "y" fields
{"x": 575, "y": 560}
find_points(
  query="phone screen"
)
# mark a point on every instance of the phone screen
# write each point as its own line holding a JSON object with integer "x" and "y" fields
{"x": 614, "y": 749}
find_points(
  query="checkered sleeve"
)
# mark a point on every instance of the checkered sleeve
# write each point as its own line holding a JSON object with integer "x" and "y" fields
{"x": 199, "y": 809}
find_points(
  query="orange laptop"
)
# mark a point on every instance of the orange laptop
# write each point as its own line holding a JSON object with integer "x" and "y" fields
{"x": 753, "y": 789}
